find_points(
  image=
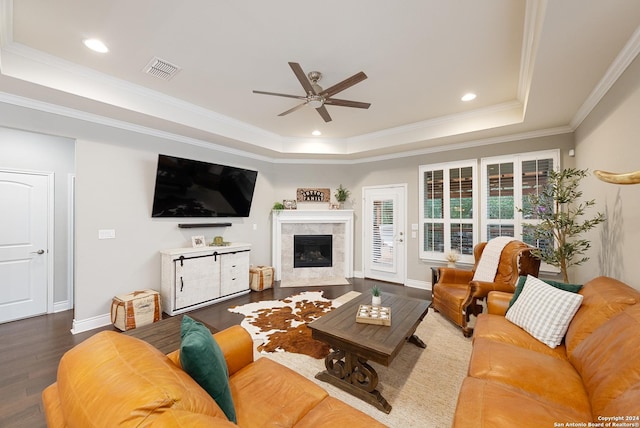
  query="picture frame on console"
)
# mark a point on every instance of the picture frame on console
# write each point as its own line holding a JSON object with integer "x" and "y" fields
{"x": 198, "y": 241}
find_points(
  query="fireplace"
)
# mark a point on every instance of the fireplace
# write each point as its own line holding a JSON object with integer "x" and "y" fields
{"x": 289, "y": 223}
{"x": 312, "y": 251}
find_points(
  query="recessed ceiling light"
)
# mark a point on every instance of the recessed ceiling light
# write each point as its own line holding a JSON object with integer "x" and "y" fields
{"x": 96, "y": 45}
{"x": 468, "y": 97}
{"x": 316, "y": 133}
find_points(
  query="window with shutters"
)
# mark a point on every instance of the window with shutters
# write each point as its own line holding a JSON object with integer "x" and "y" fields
{"x": 448, "y": 210}
{"x": 456, "y": 216}
{"x": 506, "y": 182}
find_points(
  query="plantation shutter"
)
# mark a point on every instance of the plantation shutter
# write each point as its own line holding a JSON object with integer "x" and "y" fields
{"x": 383, "y": 233}
{"x": 434, "y": 211}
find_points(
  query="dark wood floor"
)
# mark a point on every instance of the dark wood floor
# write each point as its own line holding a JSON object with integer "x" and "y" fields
{"x": 31, "y": 349}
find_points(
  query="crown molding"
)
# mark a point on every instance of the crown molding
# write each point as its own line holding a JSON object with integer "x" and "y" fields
{"x": 626, "y": 56}
{"x": 464, "y": 117}
{"x": 438, "y": 149}
{"x": 119, "y": 124}
{"x": 534, "y": 17}
{"x": 126, "y": 126}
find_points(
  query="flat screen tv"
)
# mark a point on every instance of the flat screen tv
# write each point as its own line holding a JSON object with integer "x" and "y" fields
{"x": 190, "y": 188}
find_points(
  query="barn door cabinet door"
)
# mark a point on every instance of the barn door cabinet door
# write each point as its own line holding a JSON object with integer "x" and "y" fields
{"x": 197, "y": 277}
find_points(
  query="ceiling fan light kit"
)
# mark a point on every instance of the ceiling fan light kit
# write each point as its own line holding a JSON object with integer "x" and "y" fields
{"x": 316, "y": 97}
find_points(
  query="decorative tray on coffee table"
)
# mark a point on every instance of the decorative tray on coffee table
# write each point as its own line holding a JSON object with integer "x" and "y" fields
{"x": 368, "y": 314}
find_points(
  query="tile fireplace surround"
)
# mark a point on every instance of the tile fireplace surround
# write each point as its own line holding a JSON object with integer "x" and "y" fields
{"x": 287, "y": 223}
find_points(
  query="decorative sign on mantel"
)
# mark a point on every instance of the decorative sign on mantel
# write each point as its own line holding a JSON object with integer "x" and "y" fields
{"x": 313, "y": 195}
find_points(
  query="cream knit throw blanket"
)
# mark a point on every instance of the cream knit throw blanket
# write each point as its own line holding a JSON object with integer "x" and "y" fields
{"x": 488, "y": 264}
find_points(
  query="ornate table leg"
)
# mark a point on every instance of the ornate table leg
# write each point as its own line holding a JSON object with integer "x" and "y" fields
{"x": 417, "y": 341}
{"x": 351, "y": 373}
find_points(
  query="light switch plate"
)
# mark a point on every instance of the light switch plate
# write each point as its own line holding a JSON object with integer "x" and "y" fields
{"x": 106, "y": 234}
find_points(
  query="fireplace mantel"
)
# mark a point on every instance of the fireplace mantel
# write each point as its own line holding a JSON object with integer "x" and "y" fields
{"x": 312, "y": 217}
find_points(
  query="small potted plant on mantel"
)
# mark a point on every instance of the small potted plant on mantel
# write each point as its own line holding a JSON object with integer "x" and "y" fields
{"x": 376, "y": 297}
{"x": 342, "y": 194}
{"x": 277, "y": 207}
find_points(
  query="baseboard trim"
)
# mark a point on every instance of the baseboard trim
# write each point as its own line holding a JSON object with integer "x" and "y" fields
{"x": 414, "y": 283}
{"x": 61, "y": 306}
{"x": 80, "y": 326}
{"x": 358, "y": 274}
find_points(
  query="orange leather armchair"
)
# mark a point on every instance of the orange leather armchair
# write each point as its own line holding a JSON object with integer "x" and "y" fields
{"x": 456, "y": 295}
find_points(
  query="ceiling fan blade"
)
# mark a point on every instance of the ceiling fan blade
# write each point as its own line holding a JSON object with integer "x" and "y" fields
{"x": 346, "y": 103}
{"x": 347, "y": 83}
{"x": 291, "y": 110}
{"x": 297, "y": 70}
{"x": 280, "y": 95}
{"x": 322, "y": 110}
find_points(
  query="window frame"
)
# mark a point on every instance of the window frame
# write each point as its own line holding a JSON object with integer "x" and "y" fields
{"x": 446, "y": 219}
{"x": 518, "y": 221}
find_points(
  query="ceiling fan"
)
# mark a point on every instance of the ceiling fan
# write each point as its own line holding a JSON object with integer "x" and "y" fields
{"x": 317, "y": 97}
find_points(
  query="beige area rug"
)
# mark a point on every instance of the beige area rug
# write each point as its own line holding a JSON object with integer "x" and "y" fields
{"x": 421, "y": 384}
{"x": 313, "y": 282}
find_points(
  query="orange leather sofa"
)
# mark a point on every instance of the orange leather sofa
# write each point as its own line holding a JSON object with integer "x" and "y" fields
{"x": 112, "y": 379}
{"x": 593, "y": 377}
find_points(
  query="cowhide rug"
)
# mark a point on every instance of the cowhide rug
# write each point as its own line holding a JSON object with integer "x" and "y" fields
{"x": 281, "y": 325}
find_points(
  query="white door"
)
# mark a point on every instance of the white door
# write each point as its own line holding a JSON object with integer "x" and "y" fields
{"x": 384, "y": 233}
{"x": 24, "y": 256}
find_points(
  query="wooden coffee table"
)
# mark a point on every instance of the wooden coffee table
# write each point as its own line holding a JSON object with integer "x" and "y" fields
{"x": 354, "y": 343}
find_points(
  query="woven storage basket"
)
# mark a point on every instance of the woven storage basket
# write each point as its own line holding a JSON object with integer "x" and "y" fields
{"x": 136, "y": 309}
{"x": 261, "y": 277}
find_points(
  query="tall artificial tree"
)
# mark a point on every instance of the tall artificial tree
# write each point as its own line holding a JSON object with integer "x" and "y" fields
{"x": 561, "y": 224}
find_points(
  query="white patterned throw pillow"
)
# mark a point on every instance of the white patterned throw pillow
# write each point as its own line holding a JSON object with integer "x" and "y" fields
{"x": 544, "y": 311}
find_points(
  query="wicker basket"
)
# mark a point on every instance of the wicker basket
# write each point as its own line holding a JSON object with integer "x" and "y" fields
{"x": 261, "y": 277}
{"x": 136, "y": 309}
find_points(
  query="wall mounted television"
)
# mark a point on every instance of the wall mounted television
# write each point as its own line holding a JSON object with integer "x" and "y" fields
{"x": 190, "y": 188}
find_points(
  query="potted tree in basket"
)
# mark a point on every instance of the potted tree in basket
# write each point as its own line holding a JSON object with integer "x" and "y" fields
{"x": 559, "y": 212}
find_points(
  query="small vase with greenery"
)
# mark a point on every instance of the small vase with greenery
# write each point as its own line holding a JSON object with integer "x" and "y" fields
{"x": 376, "y": 299}
{"x": 559, "y": 212}
{"x": 277, "y": 207}
{"x": 342, "y": 194}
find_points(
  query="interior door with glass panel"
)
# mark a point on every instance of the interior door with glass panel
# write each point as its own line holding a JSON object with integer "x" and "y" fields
{"x": 384, "y": 234}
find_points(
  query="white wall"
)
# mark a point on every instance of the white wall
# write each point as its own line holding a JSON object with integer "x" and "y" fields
{"x": 114, "y": 188}
{"x": 30, "y": 151}
{"x": 608, "y": 140}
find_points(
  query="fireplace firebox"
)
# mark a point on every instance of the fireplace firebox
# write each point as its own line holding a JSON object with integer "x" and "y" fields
{"x": 312, "y": 251}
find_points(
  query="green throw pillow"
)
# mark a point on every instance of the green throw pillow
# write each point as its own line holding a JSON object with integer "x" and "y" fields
{"x": 573, "y": 288}
{"x": 202, "y": 358}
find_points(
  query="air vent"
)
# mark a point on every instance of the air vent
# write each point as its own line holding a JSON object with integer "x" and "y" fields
{"x": 161, "y": 69}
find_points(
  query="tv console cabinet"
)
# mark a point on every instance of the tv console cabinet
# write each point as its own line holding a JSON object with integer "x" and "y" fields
{"x": 196, "y": 277}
